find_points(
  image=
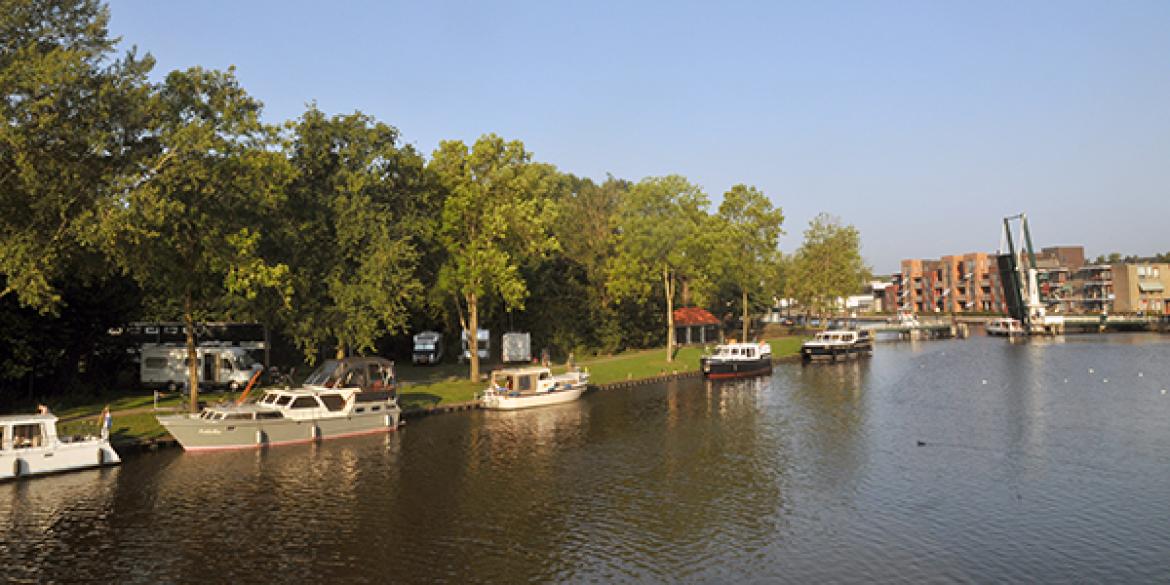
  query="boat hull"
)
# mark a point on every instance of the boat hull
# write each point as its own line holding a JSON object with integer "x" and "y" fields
{"x": 196, "y": 434}
{"x": 835, "y": 352}
{"x": 502, "y": 402}
{"x": 57, "y": 458}
{"x": 726, "y": 369}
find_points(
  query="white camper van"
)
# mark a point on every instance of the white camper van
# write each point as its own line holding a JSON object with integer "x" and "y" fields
{"x": 517, "y": 347}
{"x": 428, "y": 348}
{"x": 485, "y": 346}
{"x": 165, "y": 366}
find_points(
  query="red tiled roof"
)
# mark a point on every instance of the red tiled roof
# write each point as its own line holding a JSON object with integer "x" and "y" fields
{"x": 694, "y": 316}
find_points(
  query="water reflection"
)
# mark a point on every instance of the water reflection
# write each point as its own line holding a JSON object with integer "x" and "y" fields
{"x": 963, "y": 460}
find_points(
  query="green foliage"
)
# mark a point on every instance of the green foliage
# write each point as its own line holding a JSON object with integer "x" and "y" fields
{"x": 355, "y": 209}
{"x": 749, "y": 229}
{"x": 72, "y": 128}
{"x": 665, "y": 237}
{"x": 497, "y": 215}
{"x": 828, "y": 264}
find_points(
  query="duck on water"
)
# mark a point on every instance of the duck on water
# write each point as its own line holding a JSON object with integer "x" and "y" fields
{"x": 342, "y": 398}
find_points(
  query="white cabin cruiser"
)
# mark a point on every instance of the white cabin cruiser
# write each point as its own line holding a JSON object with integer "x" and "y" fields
{"x": 737, "y": 360}
{"x": 833, "y": 345}
{"x": 1005, "y": 326}
{"x": 342, "y": 398}
{"x": 514, "y": 388}
{"x": 30, "y": 445}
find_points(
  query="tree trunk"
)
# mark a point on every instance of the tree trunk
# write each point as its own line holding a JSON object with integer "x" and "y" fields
{"x": 192, "y": 362}
{"x": 666, "y": 283}
{"x": 340, "y": 351}
{"x": 473, "y": 335}
{"x": 746, "y": 322}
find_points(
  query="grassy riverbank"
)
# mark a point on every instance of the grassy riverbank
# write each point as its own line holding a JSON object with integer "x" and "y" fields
{"x": 422, "y": 387}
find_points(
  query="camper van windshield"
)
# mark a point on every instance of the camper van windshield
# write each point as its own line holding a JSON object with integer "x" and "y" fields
{"x": 424, "y": 347}
{"x": 243, "y": 362}
{"x": 324, "y": 374}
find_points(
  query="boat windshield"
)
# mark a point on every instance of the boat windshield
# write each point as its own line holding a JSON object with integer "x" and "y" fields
{"x": 325, "y": 375}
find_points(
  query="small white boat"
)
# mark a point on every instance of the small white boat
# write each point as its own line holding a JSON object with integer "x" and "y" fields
{"x": 837, "y": 344}
{"x": 514, "y": 388}
{"x": 1005, "y": 326}
{"x": 737, "y": 360}
{"x": 30, "y": 445}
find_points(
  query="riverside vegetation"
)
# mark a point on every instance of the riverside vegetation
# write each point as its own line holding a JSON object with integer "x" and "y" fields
{"x": 124, "y": 199}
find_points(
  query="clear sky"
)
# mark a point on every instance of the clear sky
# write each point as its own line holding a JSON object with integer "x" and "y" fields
{"x": 922, "y": 123}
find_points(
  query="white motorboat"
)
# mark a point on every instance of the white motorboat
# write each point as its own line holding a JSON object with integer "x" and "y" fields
{"x": 343, "y": 398}
{"x": 833, "y": 345}
{"x": 30, "y": 445}
{"x": 737, "y": 360}
{"x": 1005, "y": 327}
{"x": 515, "y": 388}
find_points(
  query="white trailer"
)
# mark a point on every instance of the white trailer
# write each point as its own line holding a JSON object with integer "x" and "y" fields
{"x": 428, "y": 348}
{"x": 485, "y": 345}
{"x": 165, "y": 366}
{"x": 517, "y": 347}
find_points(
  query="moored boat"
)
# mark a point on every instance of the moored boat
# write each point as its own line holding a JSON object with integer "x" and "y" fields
{"x": 30, "y": 445}
{"x": 515, "y": 388}
{"x": 837, "y": 344}
{"x": 342, "y": 398}
{"x": 737, "y": 360}
{"x": 1005, "y": 327}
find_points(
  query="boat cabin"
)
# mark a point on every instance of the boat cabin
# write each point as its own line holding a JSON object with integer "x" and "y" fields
{"x": 742, "y": 351}
{"x": 27, "y": 431}
{"x": 523, "y": 380}
{"x": 837, "y": 336}
{"x": 369, "y": 374}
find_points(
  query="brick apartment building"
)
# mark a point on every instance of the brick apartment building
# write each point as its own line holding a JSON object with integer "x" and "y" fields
{"x": 959, "y": 284}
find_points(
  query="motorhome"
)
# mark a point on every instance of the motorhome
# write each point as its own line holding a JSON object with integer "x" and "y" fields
{"x": 428, "y": 348}
{"x": 165, "y": 366}
{"x": 485, "y": 346}
{"x": 516, "y": 347}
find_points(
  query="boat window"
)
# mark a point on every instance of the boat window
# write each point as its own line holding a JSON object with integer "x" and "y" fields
{"x": 305, "y": 402}
{"x": 355, "y": 378}
{"x": 269, "y": 398}
{"x": 218, "y": 416}
{"x": 360, "y": 409}
{"x": 271, "y": 414}
{"x": 333, "y": 402}
{"x": 525, "y": 383}
{"x": 325, "y": 375}
{"x": 749, "y": 353}
{"x": 26, "y": 436}
{"x": 284, "y": 400}
{"x": 239, "y": 416}
{"x": 378, "y": 377}
{"x": 375, "y": 408}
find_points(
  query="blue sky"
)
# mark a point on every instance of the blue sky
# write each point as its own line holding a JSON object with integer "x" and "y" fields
{"x": 922, "y": 123}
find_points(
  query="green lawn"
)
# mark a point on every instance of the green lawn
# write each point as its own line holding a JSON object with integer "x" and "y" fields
{"x": 422, "y": 387}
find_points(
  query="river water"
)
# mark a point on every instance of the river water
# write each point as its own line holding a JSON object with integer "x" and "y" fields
{"x": 973, "y": 460}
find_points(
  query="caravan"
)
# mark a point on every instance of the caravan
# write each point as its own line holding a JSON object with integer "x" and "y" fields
{"x": 165, "y": 366}
{"x": 428, "y": 348}
{"x": 485, "y": 346}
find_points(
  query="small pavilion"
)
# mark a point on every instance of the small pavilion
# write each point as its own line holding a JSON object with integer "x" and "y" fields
{"x": 695, "y": 325}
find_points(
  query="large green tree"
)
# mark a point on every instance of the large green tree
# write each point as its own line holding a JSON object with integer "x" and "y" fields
{"x": 664, "y": 239}
{"x": 189, "y": 227}
{"x": 356, "y": 209}
{"x": 72, "y": 127}
{"x": 749, "y": 230}
{"x": 497, "y": 212}
{"x": 828, "y": 265}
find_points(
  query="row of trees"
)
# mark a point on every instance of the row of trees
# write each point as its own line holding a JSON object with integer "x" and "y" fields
{"x": 122, "y": 198}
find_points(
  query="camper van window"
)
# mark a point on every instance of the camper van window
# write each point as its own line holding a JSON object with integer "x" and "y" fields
{"x": 241, "y": 362}
{"x": 225, "y": 364}
{"x": 26, "y": 436}
{"x": 155, "y": 363}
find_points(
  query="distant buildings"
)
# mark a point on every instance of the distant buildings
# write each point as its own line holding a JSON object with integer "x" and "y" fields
{"x": 970, "y": 283}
